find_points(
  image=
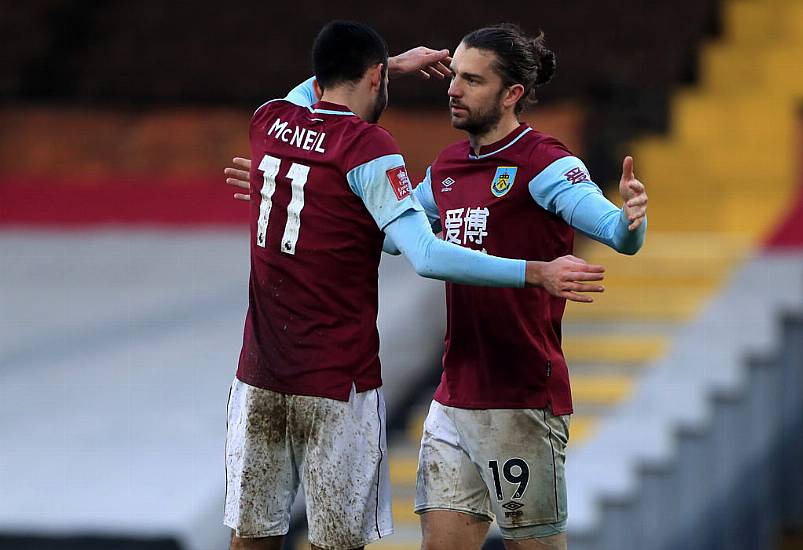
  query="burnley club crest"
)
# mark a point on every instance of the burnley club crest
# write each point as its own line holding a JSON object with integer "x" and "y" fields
{"x": 503, "y": 180}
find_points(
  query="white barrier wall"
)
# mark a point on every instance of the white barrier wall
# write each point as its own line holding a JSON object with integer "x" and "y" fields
{"x": 708, "y": 452}
{"x": 117, "y": 349}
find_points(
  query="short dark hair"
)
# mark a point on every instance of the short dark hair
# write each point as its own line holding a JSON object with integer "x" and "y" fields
{"x": 520, "y": 59}
{"x": 344, "y": 50}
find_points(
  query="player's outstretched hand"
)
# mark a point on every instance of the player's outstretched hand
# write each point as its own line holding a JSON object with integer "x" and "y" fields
{"x": 238, "y": 177}
{"x": 566, "y": 277}
{"x": 424, "y": 62}
{"x": 632, "y": 191}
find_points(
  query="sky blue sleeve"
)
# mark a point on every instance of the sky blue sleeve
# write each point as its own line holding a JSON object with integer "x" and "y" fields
{"x": 371, "y": 182}
{"x": 424, "y": 195}
{"x": 565, "y": 188}
{"x": 437, "y": 259}
{"x": 303, "y": 95}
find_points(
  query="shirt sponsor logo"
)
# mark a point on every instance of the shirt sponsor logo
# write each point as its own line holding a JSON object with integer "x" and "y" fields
{"x": 466, "y": 225}
{"x": 399, "y": 181}
{"x": 503, "y": 180}
{"x": 447, "y": 185}
{"x": 576, "y": 175}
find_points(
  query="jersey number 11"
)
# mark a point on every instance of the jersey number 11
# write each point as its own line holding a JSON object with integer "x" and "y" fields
{"x": 297, "y": 174}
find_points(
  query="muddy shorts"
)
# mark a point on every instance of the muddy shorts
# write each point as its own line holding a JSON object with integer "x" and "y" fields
{"x": 503, "y": 464}
{"x": 336, "y": 450}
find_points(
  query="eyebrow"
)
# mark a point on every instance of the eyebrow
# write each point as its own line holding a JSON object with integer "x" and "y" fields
{"x": 466, "y": 75}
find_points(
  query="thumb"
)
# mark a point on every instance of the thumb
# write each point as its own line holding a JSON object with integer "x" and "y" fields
{"x": 627, "y": 168}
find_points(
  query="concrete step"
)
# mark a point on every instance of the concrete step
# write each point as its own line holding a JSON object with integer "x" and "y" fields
{"x": 703, "y": 119}
{"x": 673, "y": 304}
{"x": 619, "y": 348}
{"x": 751, "y": 22}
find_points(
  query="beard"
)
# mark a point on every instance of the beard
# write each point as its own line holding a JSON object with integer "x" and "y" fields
{"x": 380, "y": 103}
{"x": 480, "y": 121}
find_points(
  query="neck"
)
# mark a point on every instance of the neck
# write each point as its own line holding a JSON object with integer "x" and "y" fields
{"x": 506, "y": 124}
{"x": 345, "y": 95}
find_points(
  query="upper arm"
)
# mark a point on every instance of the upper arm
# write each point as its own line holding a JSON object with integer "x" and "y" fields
{"x": 384, "y": 187}
{"x": 562, "y": 185}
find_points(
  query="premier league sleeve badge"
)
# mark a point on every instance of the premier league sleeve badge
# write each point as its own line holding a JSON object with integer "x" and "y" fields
{"x": 503, "y": 180}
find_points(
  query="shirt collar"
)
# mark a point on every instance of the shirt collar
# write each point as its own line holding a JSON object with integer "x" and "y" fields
{"x": 504, "y": 143}
{"x": 331, "y": 108}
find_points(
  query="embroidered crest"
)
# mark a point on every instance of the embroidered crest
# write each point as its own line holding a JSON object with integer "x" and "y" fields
{"x": 503, "y": 180}
{"x": 399, "y": 181}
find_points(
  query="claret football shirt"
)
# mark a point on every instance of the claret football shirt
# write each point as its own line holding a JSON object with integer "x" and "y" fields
{"x": 503, "y": 345}
{"x": 315, "y": 248}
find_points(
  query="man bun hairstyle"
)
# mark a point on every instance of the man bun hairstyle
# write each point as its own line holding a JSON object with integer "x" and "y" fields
{"x": 344, "y": 50}
{"x": 520, "y": 59}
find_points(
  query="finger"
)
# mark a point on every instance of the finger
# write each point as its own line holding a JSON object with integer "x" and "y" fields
{"x": 627, "y": 168}
{"x": 423, "y": 74}
{"x": 636, "y": 186}
{"x": 584, "y": 276}
{"x": 437, "y": 55}
{"x": 580, "y": 287}
{"x": 242, "y": 163}
{"x": 239, "y": 174}
{"x": 242, "y": 197}
{"x": 636, "y": 213}
{"x": 587, "y": 268}
{"x": 238, "y": 183}
{"x": 635, "y": 225}
{"x": 641, "y": 200}
{"x": 444, "y": 67}
{"x": 574, "y": 297}
{"x": 436, "y": 73}
{"x": 438, "y": 70}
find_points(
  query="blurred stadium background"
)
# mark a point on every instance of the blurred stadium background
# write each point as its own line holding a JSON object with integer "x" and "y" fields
{"x": 124, "y": 263}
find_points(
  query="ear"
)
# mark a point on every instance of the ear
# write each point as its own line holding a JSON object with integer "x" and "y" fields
{"x": 514, "y": 94}
{"x": 317, "y": 88}
{"x": 375, "y": 76}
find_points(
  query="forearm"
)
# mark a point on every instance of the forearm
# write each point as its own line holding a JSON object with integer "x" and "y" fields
{"x": 626, "y": 241}
{"x": 601, "y": 220}
{"x": 436, "y": 259}
{"x": 389, "y": 247}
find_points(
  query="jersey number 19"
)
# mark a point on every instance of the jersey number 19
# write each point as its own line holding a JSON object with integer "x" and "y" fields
{"x": 297, "y": 174}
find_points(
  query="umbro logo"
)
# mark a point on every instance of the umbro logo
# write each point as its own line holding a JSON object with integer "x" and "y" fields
{"x": 447, "y": 185}
{"x": 512, "y": 505}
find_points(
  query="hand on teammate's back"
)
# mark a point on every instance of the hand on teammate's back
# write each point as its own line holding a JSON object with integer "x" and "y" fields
{"x": 238, "y": 177}
{"x": 632, "y": 191}
{"x": 565, "y": 277}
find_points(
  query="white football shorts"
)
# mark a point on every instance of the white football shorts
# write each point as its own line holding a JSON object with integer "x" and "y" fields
{"x": 503, "y": 464}
{"x": 337, "y": 450}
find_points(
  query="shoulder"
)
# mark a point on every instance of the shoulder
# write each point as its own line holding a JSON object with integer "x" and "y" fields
{"x": 273, "y": 107}
{"x": 542, "y": 150}
{"x": 456, "y": 151}
{"x": 368, "y": 142}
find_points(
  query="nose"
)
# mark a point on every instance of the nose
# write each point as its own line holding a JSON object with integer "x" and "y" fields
{"x": 454, "y": 89}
